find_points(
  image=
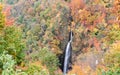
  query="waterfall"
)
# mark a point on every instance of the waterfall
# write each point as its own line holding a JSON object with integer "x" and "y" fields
{"x": 68, "y": 52}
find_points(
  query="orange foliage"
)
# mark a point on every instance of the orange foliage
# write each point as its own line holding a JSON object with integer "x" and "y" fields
{"x": 87, "y": 15}
{"x": 38, "y": 63}
{"x": 117, "y": 9}
{"x": 91, "y": 14}
{"x": 99, "y": 20}
{"x": 117, "y": 4}
{"x": 84, "y": 69}
{"x": 96, "y": 43}
{"x": 75, "y": 5}
{"x": 8, "y": 21}
{"x": 76, "y": 70}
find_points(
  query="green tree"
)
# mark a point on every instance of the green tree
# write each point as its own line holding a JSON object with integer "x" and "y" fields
{"x": 11, "y": 39}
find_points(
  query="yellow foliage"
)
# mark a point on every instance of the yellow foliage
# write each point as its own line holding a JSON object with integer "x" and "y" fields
{"x": 39, "y": 64}
{"x": 55, "y": 41}
{"x": 95, "y": 29}
{"x": 112, "y": 57}
{"x": 111, "y": 60}
{"x": 114, "y": 34}
{"x": 1, "y": 6}
{"x": 55, "y": 49}
{"x": 116, "y": 26}
{"x": 2, "y": 19}
{"x": 115, "y": 48}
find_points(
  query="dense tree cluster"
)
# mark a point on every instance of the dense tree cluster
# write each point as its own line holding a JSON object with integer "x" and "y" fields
{"x": 32, "y": 27}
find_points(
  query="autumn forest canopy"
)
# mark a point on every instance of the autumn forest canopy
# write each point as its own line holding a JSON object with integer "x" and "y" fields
{"x": 34, "y": 35}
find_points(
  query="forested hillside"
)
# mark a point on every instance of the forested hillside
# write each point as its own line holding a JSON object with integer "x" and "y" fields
{"x": 35, "y": 33}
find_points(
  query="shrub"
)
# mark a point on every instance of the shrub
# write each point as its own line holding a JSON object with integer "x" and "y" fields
{"x": 14, "y": 43}
{"x": 7, "y": 63}
{"x": 36, "y": 70}
{"x": 8, "y": 67}
{"x": 47, "y": 58}
{"x": 112, "y": 60}
{"x": 11, "y": 41}
{"x": 114, "y": 33}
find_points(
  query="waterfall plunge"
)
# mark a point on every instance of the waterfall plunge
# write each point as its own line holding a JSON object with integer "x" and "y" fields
{"x": 67, "y": 54}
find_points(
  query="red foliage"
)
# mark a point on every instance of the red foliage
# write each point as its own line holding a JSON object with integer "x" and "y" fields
{"x": 117, "y": 10}
{"x": 9, "y": 22}
{"x": 96, "y": 43}
{"x": 92, "y": 14}
{"x": 6, "y": 12}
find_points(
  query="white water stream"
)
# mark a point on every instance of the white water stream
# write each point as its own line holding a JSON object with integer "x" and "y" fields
{"x": 67, "y": 55}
